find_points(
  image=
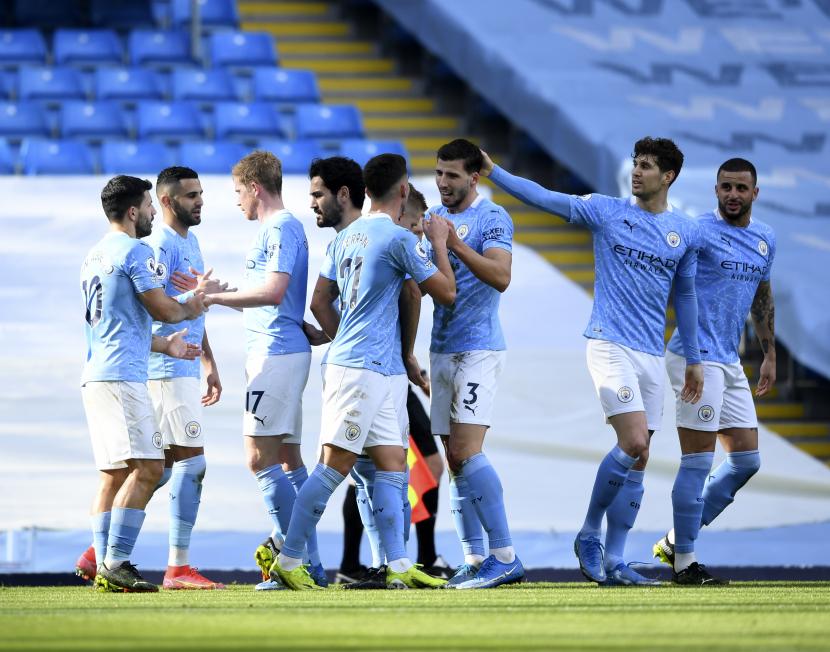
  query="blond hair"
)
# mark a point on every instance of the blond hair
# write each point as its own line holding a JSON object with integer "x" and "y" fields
{"x": 260, "y": 167}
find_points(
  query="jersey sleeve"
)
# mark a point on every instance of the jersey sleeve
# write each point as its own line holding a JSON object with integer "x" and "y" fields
{"x": 166, "y": 261}
{"x": 688, "y": 263}
{"x": 140, "y": 266}
{"x": 280, "y": 243}
{"x": 588, "y": 210}
{"x": 497, "y": 230}
{"x": 329, "y": 269}
{"x": 770, "y": 257}
{"x": 407, "y": 254}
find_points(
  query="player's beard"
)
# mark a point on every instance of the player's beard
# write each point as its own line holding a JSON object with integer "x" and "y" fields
{"x": 455, "y": 199}
{"x": 143, "y": 227}
{"x": 184, "y": 216}
{"x": 331, "y": 217}
{"x": 733, "y": 217}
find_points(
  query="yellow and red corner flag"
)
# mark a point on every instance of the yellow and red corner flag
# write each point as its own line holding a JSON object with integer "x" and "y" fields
{"x": 421, "y": 480}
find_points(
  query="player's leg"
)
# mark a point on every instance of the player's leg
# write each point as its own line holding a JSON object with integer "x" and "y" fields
{"x": 363, "y": 474}
{"x": 351, "y": 570}
{"x": 110, "y": 482}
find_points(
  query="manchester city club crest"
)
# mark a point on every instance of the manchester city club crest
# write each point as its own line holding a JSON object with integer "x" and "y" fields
{"x": 157, "y": 441}
{"x": 193, "y": 429}
{"x": 706, "y": 413}
{"x": 673, "y": 239}
{"x": 625, "y": 394}
{"x": 462, "y": 231}
{"x": 763, "y": 248}
{"x": 352, "y": 432}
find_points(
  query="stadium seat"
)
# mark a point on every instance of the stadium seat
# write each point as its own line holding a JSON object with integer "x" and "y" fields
{"x": 212, "y": 13}
{"x": 87, "y": 47}
{"x": 362, "y": 150}
{"x": 56, "y": 157}
{"x": 92, "y": 120}
{"x": 242, "y": 49}
{"x": 170, "y": 121}
{"x": 285, "y": 86}
{"x": 120, "y": 157}
{"x": 7, "y": 87}
{"x": 162, "y": 49}
{"x": 247, "y": 121}
{"x": 49, "y": 14}
{"x": 203, "y": 85}
{"x": 327, "y": 122}
{"x": 126, "y": 84}
{"x": 6, "y": 158}
{"x": 18, "y": 120}
{"x": 50, "y": 84}
{"x": 208, "y": 157}
{"x": 121, "y": 14}
{"x": 22, "y": 46}
{"x": 295, "y": 155}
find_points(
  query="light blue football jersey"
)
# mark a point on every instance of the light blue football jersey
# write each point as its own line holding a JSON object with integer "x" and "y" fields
{"x": 280, "y": 246}
{"x": 118, "y": 326}
{"x": 637, "y": 255}
{"x": 732, "y": 262}
{"x": 369, "y": 260}
{"x": 472, "y": 322}
{"x": 175, "y": 254}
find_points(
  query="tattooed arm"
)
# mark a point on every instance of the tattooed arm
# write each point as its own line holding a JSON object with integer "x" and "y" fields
{"x": 763, "y": 318}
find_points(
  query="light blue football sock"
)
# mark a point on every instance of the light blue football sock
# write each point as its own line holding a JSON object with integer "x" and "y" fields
{"x": 298, "y": 478}
{"x": 185, "y": 494}
{"x": 467, "y": 525}
{"x": 100, "y": 534}
{"x": 686, "y": 499}
{"x": 386, "y": 503}
{"x": 165, "y": 478}
{"x": 620, "y": 518}
{"x": 125, "y": 524}
{"x": 725, "y": 481}
{"x": 487, "y": 497}
{"x": 610, "y": 478}
{"x": 278, "y": 494}
{"x": 310, "y": 505}
{"x": 407, "y": 508}
{"x": 363, "y": 473}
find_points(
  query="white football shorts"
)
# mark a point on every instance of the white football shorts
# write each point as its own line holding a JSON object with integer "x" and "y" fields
{"x": 177, "y": 403}
{"x": 274, "y": 395}
{"x": 400, "y": 389}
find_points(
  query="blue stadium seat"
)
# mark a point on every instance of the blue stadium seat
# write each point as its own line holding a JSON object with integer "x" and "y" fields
{"x": 247, "y": 121}
{"x": 21, "y": 46}
{"x": 214, "y": 85}
{"x": 120, "y": 157}
{"x": 212, "y": 13}
{"x": 242, "y": 49}
{"x": 159, "y": 48}
{"x": 56, "y": 157}
{"x": 92, "y": 120}
{"x": 18, "y": 120}
{"x": 169, "y": 121}
{"x": 6, "y": 158}
{"x": 50, "y": 84}
{"x": 49, "y": 14}
{"x": 327, "y": 122}
{"x": 87, "y": 47}
{"x": 121, "y": 14}
{"x": 362, "y": 150}
{"x": 211, "y": 157}
{"x": 279, "y": 85}
{"x": 7, "y": 86}
{"x": 127, "y": 84}
{"x": 295, "y": 155}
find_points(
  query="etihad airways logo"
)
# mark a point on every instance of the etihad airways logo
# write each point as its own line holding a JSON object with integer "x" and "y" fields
{"x": 743, "y": 267}
{"x": 640, "y": 258}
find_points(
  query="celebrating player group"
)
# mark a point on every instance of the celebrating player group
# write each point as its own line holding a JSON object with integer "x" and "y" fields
{"x": 146, "y": 290}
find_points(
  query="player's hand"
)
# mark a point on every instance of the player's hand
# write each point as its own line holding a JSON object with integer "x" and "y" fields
{"x": 177, "y": 347}
{"x": 452, "y": 236}
{"x": 183, "y": 282}
{"x": 197, "y": 304}
{"x": 315, "y": 336}
{"x": 436, "y": 229}
{"x": 214, "y": 388}
{"x": 414, "y": 373}
{"x": 767, "y": 377}
{"x": 210, "y": 285}
{"x": 486, "y": 164}
{"x": 693, "y": 388}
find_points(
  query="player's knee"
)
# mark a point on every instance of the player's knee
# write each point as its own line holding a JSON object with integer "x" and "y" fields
{"x": 150, "y": 472}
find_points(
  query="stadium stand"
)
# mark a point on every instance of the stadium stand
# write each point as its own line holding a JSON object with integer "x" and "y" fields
{"x": 327, "y": 122}
{"x": 159, "y": 48}
{"x": 362, "y": 150}
{"x": 126, "y": 85}
{"x": 211, "y": 157}
{"x": 295, "y": 155}
{"x": 122, "y": 14}
{"x": 56, "y": 157}
{"x": 247, "y": 121}
{"x": 7, "y": 162}
{"x": 87, "y": 47}
{"x": 125, "y": 157}
{"x": 213, "y": 14}
{"x": 169, "y": 121}
{"x": 287, "y": 87}
{"x": 50, "y": 85}
{"x": 92, "y": 121}
{"x": 204, "y": 86}
{"x": 242, "y": 49}
{"x": 21, "y": 119}
{"x": 22, "y": 46}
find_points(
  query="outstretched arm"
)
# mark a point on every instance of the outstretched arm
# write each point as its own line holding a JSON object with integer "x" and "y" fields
{"x": 763, "y": 318}
{"x": 270, "y": 293}
{"x": 685, "y": 306}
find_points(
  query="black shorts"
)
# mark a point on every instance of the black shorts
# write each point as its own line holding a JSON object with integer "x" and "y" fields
{"x": 419, "y": 426}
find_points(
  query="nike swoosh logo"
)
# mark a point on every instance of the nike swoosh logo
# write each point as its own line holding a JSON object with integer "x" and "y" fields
{"x": 502, "y": 576}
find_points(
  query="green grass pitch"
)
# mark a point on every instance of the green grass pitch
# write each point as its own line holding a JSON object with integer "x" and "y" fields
{"x": 743, "y": 616}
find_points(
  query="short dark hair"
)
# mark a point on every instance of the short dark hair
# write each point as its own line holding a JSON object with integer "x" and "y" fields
{"x": 666, "y": 154}
{"x": 121, "y": 193}
{"x": 339, "y": 171}
{"x": 416, "y": 197}
{"x": 462, "y": 149}
{"x": 382, "y": 172}
{"x": 739, "y": 165}
{"x": 173, "y": 175}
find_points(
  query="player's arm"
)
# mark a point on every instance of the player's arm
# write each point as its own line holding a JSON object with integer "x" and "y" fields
{"x": 409, "y": 309}
{"x": 441, "y": 285}
{"x": 322, "y": 305}
{"x": 164, "y": 308}
{"x": 493, "y": 267}
{"x": 198, "y": 281}
{"x": 175, "y": 346}
{"x": 763, "y": 319}
{"x": 526, "y": 190}
{"x": 270, "y": 293}
{"x": 214, "y": 386}
{"x": 685, "y": 307}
